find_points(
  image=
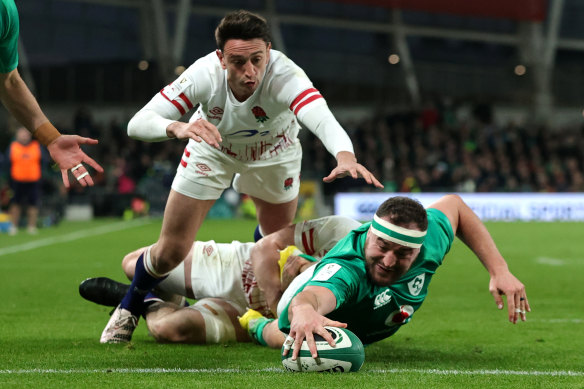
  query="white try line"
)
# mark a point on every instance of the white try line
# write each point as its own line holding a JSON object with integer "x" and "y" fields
{"x": 35, "y": 244}
{"x": 553, "y": 373}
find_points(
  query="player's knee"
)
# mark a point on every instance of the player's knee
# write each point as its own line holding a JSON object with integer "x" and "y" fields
{"x": 170, "y": 255}
{"x": 165, "y": 331}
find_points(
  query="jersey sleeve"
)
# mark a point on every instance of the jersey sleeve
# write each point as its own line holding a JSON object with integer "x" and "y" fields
{"x": 340, "y": 278}
{"x": 172, "y": 102}
{"x": 9, "y": 31}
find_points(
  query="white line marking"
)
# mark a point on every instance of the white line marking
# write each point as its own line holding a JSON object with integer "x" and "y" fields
{"x": 550, "y": 261}
{"x": 118, "y": 226}
{"x": 556, "y": 373}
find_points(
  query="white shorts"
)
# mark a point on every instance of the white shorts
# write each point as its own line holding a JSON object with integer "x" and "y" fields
{"x": 204, "y": 173}
{"x": 211, "y": 270}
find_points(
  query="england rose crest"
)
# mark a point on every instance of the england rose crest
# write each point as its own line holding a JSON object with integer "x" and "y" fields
{"x": 259, "y": 114}
{"x": 288, "y": 183}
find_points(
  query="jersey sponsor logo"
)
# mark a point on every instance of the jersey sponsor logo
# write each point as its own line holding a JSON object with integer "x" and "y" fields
{"x": 327, "y": 272}
{"x": 382, "y": 299}
{"x": 415, "y": 286}
{"x": 259, "y": 114}
{"x": 401, "y": 316}
{"x": 248, "y": 133}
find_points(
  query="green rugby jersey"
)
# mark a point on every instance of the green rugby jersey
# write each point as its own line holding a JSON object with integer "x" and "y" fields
{"x": 375, "y": 312}
{"x": 9, "y": 29}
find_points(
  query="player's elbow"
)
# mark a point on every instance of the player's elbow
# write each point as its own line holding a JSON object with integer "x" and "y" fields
{"x": 133, "y": 126}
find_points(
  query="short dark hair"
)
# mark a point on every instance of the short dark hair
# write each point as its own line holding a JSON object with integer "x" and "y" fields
{"x": 402, "y": 211}
{"x": 242, "y": 25}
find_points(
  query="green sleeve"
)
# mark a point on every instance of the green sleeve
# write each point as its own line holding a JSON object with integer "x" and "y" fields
{"x": 9, "y": 30}
{"x": 340, "y": 277}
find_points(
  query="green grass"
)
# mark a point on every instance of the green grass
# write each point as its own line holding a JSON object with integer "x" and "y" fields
{"x": 49, "y": 335}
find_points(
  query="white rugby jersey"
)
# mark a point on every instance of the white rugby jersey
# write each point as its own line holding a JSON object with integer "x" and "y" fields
{"x": 255, "y": 129}
{"x": 313, "y": 237}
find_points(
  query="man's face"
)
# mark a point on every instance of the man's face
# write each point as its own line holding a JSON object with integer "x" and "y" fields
{"x": 387, "y": 261}
{"x": 245, "y": 61}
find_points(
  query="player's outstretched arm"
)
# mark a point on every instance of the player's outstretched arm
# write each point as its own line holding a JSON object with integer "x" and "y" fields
{"x": 322, "y": 123}
{"x": 347, "y": 165}
{"x": 64, "y": 149}
{"x": 306, "y": 315}
{"x": 468, "y": 227}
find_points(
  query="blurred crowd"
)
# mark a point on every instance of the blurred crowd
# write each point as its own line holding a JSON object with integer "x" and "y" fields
{"x": 436, "y": 149}
{"x": 440, "y": 149}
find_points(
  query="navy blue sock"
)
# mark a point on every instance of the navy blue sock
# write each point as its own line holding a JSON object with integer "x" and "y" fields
{"x": 257, "y": 235}
{"x": 142, "y": 283}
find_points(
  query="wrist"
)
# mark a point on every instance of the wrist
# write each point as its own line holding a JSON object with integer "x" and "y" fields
{"x": 46, "y": 133}
{"x": 346, "y": 156}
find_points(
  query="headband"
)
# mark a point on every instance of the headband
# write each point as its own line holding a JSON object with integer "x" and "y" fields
{"x": 397, "y": 234}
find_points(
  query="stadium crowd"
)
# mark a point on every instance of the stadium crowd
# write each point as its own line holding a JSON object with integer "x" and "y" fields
{"x": 435, "y": 149}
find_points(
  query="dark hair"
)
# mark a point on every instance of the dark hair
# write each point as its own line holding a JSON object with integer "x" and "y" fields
{"x": 241, "y": 25}
{"x": 404, "y": 210}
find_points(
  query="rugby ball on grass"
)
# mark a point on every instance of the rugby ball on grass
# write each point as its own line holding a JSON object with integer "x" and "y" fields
{"x": 347, "y": 356}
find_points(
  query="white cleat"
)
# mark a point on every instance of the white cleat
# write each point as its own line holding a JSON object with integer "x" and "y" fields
{"x": 120, "y": 327}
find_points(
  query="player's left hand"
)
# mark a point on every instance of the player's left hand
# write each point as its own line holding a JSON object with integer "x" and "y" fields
{"x": 347, "y": 165}
{"x": 507, "y": 284}
{"x": 67, "y": 153}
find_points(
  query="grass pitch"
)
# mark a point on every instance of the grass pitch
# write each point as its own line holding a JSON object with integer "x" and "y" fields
{"x": 49, "y": 336}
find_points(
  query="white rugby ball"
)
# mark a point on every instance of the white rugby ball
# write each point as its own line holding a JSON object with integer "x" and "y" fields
{"x": 347, "y": 356}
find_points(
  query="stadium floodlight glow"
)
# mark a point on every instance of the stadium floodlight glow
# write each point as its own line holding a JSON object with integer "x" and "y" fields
{"x": 520, "y": 70}
{"x": 143, "y": 65}
{"x": 393, "y": 59}
{"x": 179, "y": 70}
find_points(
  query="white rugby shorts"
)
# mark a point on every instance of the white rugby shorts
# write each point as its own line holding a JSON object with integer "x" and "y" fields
{"x": 204, "y": 173}
{"x": 211, "y": 270}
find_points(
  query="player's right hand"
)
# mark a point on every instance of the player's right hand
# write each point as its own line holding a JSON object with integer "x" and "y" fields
{"x": 199, "y": 130}
{"x": 305, "y": 323}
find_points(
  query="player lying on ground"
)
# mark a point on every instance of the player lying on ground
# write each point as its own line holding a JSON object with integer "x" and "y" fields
{"x": 376, "y": 278}
{"x": 220, "y": 277}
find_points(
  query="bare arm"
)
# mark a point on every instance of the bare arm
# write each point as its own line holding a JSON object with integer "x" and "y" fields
{"x": 306, "y": 315}
{"x": 64, "y": 149}
{"x": 264, "y": 259}
{"x": 20, "y": 102}
{"x": 468, "y": 227}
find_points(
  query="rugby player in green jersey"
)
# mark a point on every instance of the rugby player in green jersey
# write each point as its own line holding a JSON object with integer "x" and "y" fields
{"x": 381, "y": 272}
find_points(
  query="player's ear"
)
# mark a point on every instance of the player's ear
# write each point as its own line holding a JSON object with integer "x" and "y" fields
{"x": 221, "y": 58}
{"x": 268, "y": 47}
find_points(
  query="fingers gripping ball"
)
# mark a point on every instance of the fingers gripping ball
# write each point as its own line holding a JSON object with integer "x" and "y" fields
{"x": 347, "y": 356}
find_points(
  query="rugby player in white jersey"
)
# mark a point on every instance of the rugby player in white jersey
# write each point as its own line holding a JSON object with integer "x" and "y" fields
{"x": 251, "y": 99}
{"x": 220, "y": 277}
